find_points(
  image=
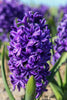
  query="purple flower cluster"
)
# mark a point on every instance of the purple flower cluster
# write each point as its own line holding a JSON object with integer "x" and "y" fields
{"x": 8, "y": 13}
{"x": 63, "y": 9}
{"x": 61, "y": 41}
{"x": 29, "y": 51}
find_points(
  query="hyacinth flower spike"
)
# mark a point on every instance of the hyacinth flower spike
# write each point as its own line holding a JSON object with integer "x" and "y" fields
{"x": 60, "y": 89}
{"x": 29, "y": 52}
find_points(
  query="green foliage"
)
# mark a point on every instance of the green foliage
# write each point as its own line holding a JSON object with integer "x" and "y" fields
{"x": 4, "y": 77}
{"x": 0, "y": 44}
{"x": 59, "y": 87}
{"x": 57, "y": 91}
{"x": 59, "y": 79}
{"x": 55, "y": 69}
{"x": 65, "y": 78}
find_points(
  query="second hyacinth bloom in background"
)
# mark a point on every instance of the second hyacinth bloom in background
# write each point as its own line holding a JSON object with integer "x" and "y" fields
{"x": 61, "y": 41}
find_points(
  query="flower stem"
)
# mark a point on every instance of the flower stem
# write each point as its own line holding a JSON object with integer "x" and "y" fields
{"x": 4, "y": 77}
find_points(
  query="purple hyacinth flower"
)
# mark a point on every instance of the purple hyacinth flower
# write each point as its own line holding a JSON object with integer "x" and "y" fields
{"x": 61, "y": 41}
{"x": 8, "y": 12}
{"x": 63, "y": 9}
{"x": 29, "y": 52}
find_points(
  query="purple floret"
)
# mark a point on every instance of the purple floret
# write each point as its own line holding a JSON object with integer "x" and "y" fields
{"x": 29, "y": 52}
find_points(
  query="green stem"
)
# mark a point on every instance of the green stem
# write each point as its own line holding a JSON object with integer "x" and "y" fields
{"x": 57, "y": 91}
{"x": 59, "y": 79}
{"x": 4, "y": 77}
{"x": 54, "y": 70}
{"x": 52, "y": 46}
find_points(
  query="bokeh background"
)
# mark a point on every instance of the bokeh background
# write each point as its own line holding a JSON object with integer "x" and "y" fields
{"x": 51, "y": 3}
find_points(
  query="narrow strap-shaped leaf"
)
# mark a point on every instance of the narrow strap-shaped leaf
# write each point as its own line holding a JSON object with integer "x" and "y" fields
{"x": 4, "y": 77}
{"x": 56, "y": 64}
{"x": 61, "y": 60}
{"x": 65, "y": 77}
{"x": 59, "y": 79}
{"x": 54, "y": 70}
{"x": 51, "y": 77}
{"x": 30, "y": 89}
{"x": 57, "y": 91}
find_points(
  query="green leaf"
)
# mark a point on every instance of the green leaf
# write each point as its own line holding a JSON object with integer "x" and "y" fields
{"x": 53, "y": 71}
{"x": 6, "y": 50}
{"x": 60, "y": 83}
{"x": 0, "y": 43}
{"x": 57, "y": 65}
{"x": 57, "y": 91}
{"x": 60, "y": 61}
{"x": 59, "y": 79}
{"x": 30, "y": 89}
{"x": 63, "y": 58}
{"x": 65, "y": 77}
{"x": 4, "y": 77}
